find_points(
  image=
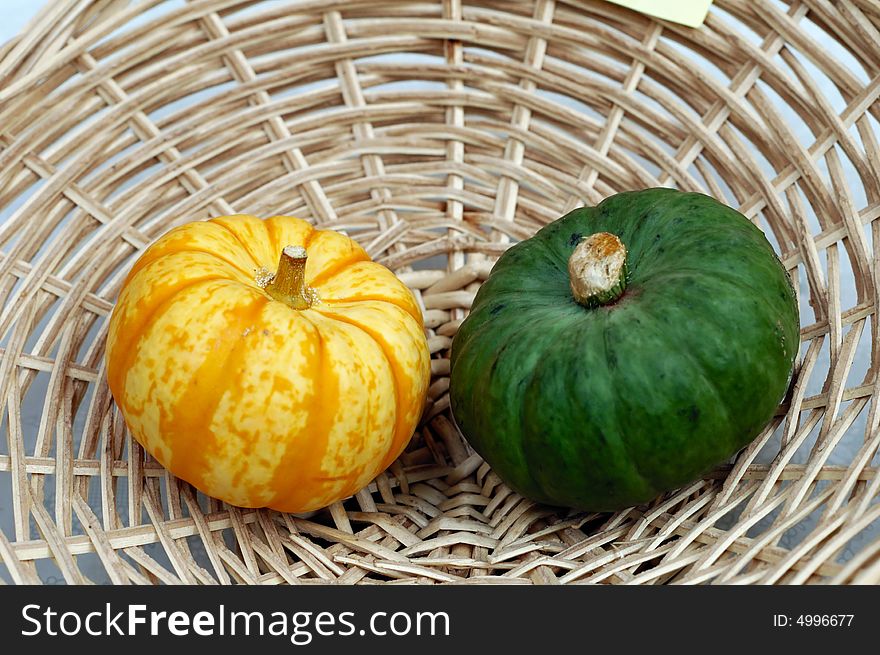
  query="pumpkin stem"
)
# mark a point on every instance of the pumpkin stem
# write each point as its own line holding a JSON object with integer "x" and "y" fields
{"x": 597, "y": 270}
{"x": 289, "y": 283}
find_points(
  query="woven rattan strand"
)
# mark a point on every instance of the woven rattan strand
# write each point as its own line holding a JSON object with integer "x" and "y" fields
{"x": 436, "y": 133}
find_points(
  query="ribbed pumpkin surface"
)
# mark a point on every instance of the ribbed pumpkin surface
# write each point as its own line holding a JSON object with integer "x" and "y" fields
{"x": 605, "y": 407}
{"x": 250, "y": 400}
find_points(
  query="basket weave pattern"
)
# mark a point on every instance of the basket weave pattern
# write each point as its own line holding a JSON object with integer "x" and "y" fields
{"x": 436, "y": 133}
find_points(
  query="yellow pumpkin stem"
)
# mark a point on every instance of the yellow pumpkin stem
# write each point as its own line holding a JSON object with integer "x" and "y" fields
{"x": 289, "y": 283}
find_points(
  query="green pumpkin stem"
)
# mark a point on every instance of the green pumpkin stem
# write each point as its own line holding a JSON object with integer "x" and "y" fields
{"x": 289, "y": 283}
{"x": 597, "y": 270}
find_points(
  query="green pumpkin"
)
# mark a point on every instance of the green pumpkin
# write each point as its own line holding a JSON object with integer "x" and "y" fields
{"x": 639, "y": 386}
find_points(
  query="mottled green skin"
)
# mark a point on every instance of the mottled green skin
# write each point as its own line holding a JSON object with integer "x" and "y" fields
{"x": 605, "y": 408}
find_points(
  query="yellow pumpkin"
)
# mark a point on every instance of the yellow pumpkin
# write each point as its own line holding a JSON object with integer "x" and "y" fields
{"x": 288, "y": 388}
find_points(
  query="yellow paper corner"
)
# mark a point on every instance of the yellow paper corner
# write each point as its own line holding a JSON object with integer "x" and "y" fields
{"x": 686, "y": 12}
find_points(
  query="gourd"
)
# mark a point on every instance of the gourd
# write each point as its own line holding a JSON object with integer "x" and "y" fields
{"x": 625, "y": 350}
{"x": 288, "y": 388}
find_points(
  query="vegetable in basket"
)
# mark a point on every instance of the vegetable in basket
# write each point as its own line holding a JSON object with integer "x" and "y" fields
{"x": 625, "y": 350}
{"x": 289, "y": 389}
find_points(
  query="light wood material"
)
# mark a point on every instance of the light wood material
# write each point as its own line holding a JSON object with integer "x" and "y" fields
{"x": 436, "y": 133}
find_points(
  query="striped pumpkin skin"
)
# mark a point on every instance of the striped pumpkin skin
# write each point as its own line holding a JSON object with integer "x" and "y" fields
{"x": 249, "y": 400}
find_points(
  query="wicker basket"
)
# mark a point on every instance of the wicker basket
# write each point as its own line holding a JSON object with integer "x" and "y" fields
{"x": 435, "y": 133}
